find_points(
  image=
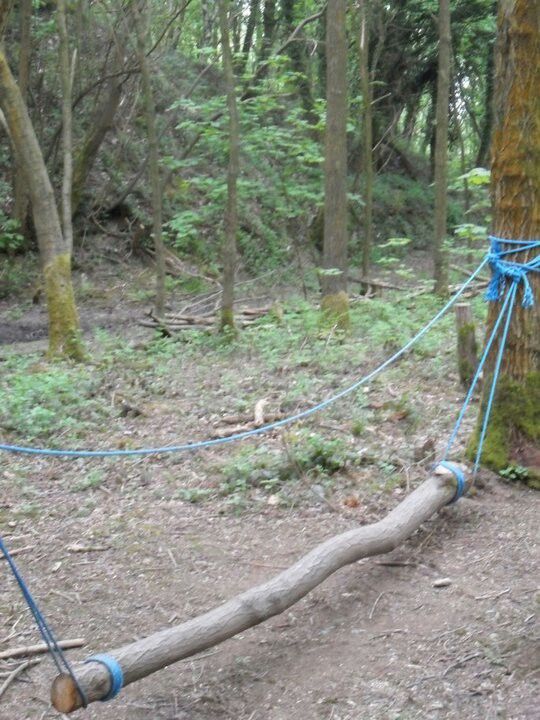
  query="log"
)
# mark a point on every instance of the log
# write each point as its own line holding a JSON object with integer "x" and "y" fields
{"x": 467, "y": 349}
{"x": 143, "y": 657}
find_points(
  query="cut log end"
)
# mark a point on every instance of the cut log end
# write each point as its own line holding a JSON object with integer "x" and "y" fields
{"x": 64, "y": 694}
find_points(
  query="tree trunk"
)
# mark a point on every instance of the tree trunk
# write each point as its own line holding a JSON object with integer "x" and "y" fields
{"x": 141, "y": 27}
{"x": 86, "y": 155}
{"x": 66, "y": 74}
{"x": 248, "y": 37}
{"x": 297, "y": 56}
{"x": 482, "y": 157}
{"x": 440, "y": 260}
{"x": 269, "y": 28}
{"x": 513, "y": 435}
{"x": 231, "y": 211}
{"x": 20, "y": 203}
{"x": 335, "y": 302}
{"x": 367, "y": 140}
{"x": 64, "y": 333}
{"x": 467, "y": 351}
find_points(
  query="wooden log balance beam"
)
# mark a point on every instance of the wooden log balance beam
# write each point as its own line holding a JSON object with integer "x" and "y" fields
{"x": 146, "y": 656}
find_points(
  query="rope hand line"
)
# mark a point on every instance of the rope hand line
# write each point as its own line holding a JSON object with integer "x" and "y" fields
{"x": 197, "y": 445}
{"x": 503, "y": 273}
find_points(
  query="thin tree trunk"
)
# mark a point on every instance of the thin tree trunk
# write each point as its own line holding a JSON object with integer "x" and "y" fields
{"x": 248, "y": 37}
{"x": 513, "y": 435}
{"x": 141, "y": 26}
{"x": 20, "y": 203}
{"x": 66, "y": 74}
{"x": 335, "y": 302}
{"x": 269, "y": 28}
{"x": 86, "y": 155}
{"x": 297, "y": 56}
{"x": 231, "y": 212}
{"x": 440, "y": 260}
{"x": 367, "y": 141}
{"x": 64, "y": 331}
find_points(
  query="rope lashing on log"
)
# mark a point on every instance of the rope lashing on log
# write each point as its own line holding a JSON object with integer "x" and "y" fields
{"x": 460, "y": 479}
{"x": 108, "y": 672}
{"x": 115, "y": 673}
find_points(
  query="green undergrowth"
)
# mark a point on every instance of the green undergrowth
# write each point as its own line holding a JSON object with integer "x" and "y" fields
{"x": 290, "y": 358}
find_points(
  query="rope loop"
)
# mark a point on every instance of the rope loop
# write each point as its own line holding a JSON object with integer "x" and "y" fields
{"x": 115, "y": 673}
{"x": 460, "y": 479}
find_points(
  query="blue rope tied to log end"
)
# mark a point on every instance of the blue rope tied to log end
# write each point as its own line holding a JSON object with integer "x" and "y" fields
{"x": 115, "y": 673}
{"x": 460, "y": 479}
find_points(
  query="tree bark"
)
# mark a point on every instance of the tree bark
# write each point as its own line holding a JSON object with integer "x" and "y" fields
{"x": 143, "y": 657}
{"x": 513, "y": 435}
{"x": 66, "y": 74}
{"x": 141, "y": 27}
{"x": 367, "y": 140}
{"x": 440, "y": 260}
{"x": 231, "y": 211}
{"x": 335, "y": 302}
{"x": 297, "y": 57}
{"x": 467, "y": 351}
{"x": 20, "y": 203}
{"x": 248, "y": 37}
{"x": 64, "y": 330}
{"x": 86, "y": 155}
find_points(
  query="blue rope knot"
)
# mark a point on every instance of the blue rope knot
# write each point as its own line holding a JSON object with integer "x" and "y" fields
{"x": 115, "y": 673}
{"x": 503, "y": 271}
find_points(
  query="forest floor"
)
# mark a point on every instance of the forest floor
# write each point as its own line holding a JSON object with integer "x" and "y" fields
{"x": 116, "y": 549}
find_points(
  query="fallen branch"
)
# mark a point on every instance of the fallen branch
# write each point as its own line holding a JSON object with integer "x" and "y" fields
{"x": 146, "y": 656}
{"x": 40, "y": 649}
{"x": 15, "y": 674}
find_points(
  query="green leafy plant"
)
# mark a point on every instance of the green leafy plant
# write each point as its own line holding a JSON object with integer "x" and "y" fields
{"x": 515, "y": 473}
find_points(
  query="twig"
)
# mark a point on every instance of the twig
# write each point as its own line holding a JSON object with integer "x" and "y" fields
{"x": 370, "y": 616}
{"x": 493, "y": 596}
{"x": 18, "y": 551}
{"x": 12, "y": 676}
{"x": 40, "y": 648}
{"x": 460, "y": 662}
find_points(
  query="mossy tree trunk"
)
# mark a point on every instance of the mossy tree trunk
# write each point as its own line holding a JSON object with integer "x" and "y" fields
{"x": 440, "y": 261}
{"x": 513, "y": 436}
{"x": 231, "y": 211}
{"x": 335, "y": 302}
{"x": 64, "y": 335}
{"x": 142, "y": 27}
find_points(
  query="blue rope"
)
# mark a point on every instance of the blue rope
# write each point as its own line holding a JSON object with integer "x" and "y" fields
{"x": 504, "y": 273}
{"x": 58, "y": 656}
{"x": 264, "y": 428}
{"x": 502, "y": 345}
{"x": 460, "y": 479}
{"x": 115, "y": 673}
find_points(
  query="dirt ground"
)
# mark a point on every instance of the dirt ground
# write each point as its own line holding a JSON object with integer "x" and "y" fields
{"x": 377, "y": 641}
